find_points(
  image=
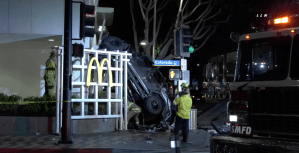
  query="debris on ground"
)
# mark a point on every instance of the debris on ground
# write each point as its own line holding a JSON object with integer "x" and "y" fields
{"x": 213, "y": 132}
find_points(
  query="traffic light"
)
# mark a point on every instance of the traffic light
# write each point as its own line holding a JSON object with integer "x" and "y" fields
{"x": 183, "y": 41}
{"x": 175, "y": 74}
{"x": 87, "y": 18}
{"x": 78, "y": 50}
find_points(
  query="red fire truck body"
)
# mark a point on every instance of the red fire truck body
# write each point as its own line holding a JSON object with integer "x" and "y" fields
{"x": 264, "y": 98}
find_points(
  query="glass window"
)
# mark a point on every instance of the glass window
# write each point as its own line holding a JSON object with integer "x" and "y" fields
{"x": 294, "y": 74}
{"x": 264, "y": 59}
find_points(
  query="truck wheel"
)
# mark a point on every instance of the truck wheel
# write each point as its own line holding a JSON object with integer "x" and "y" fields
{"x": 153, "y": 105}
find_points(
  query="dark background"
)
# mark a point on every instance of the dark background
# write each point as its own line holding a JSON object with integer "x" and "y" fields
{"x": 244, "y": 13}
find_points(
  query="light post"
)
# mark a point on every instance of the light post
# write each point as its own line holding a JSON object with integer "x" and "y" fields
{"x": 154, "y": 31}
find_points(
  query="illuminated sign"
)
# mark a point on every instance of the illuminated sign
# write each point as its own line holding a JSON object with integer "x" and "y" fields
{"x": 175, "y": 74}
{"x": 167, "y": 63}
{"x": 100, "y": 71}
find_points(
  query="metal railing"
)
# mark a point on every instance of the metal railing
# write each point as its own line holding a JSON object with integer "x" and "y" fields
{"x": 119, "y": 60}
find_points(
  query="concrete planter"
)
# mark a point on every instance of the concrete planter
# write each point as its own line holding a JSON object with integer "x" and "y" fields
{"x": 93, "y": 125}
{"x": 24, "y": 125}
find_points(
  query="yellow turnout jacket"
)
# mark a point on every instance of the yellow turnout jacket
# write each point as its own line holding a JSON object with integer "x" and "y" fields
{"x": 184, "y": 106}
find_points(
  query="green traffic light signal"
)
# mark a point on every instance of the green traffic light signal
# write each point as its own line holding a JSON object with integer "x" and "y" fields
{"x": 191, "y": 49}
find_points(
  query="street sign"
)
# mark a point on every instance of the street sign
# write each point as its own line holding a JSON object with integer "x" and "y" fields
{"x": 167, "y": 63}
{"x": 184, "y": 64}
{"x": 175, "y": 74}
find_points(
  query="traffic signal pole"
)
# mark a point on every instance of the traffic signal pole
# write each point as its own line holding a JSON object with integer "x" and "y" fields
{"x": 67, "y": 75}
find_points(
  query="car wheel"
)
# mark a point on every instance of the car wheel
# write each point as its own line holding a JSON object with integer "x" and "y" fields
{"x": 153, "y": 105}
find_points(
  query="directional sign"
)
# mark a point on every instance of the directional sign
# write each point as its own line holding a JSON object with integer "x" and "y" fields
{"x": 184, "y": 64}
{"x": 167, "y": 62}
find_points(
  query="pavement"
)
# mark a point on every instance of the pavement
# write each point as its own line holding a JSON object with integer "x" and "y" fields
{"x": 115, "y": 142}
{"x": 130, "y": 141}
{"x": 217, "y": 113}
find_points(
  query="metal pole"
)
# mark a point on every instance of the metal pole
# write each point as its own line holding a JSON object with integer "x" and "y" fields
{"x": 178, "y": 15}
{"x": 154, "y": 31}
{"x": 67, "y": 84}
{"x": 224, "y": 69}
{"x": 126, "y": 90}
{"x": 58, "y": 89}
{"x": 61, "y": 89}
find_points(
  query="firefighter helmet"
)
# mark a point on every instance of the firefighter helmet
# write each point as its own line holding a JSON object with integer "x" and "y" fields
{"x": 184, "y": 85}
{"x": 186, "y": 90}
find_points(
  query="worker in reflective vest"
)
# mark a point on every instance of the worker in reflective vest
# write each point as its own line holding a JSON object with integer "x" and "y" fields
{"x": 50, "y": 77}
{"x": 184, "y": 103}
{"x": 133, "y": 111}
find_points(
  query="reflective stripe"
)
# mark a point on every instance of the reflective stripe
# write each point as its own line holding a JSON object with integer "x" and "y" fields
{"x": 174, "y": 102}
{"x": 130, "y": 105}
{"x": 172, "y": 144}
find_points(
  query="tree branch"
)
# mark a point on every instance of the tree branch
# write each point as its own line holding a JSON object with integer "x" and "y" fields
{"x": 168, "y": 35}
{"x": 145, "y": 4}
{"x": 159, "y": 26}
{"x": 151, "y": 18}
{"x": 162, "y": 6}
{"x": 203, "y": 34}
{"x": 202, "y": 44}
{"x": 197, "y": 26}
{"x": 141, "y": 9}
{"x": 149, "y": 5}
{"x": 224, "y": 21}
{"x": 158, "y": 29}
{"x": 164, "y": 50}
{"x": 200, "y": 30}
{"x": 134, "y": 27}
{"x": 214, "y": 15}
{"x": 184, "y": 7}
{"x": 194, "y": 9}
{"x": 153, "y": 5}
{"x": 178, "y": 15}
{"x": 203, "y": 13}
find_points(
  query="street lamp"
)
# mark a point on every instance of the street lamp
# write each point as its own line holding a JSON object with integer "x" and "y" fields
{"x": 144, "y": 43}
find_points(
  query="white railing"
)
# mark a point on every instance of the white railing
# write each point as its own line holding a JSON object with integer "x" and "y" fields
{"x": 119, "y": 60}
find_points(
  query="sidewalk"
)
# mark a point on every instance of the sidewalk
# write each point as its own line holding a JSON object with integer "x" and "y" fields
{"x": 115, "y": 142}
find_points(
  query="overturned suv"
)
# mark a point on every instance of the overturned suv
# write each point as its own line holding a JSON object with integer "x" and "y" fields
{"x": 146, "y": 84}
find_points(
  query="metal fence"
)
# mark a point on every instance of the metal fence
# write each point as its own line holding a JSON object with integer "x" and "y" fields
{"x": 83, "y": 82}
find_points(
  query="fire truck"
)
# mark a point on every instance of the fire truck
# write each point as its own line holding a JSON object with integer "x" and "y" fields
{"x": 263, "y": 107}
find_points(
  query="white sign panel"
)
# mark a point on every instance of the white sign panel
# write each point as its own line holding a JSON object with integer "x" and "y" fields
{"x": 183, "y": 64}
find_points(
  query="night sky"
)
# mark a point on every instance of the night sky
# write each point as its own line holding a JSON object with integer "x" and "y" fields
{"x": 243, "y": 14}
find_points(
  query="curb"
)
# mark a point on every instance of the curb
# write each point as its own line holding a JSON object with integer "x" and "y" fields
{"x": 63, "y": 150}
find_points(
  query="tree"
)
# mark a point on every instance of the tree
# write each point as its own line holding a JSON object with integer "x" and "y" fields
{"x": 201, "y": 15}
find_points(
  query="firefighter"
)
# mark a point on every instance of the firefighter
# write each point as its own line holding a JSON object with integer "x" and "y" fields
{"x": 50, "y": 76}
{"x": 133, "y": 111}
{"x": 184, "y": 103}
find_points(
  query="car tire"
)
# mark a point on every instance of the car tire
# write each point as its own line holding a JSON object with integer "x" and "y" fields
{"x": 153, "y": 105}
